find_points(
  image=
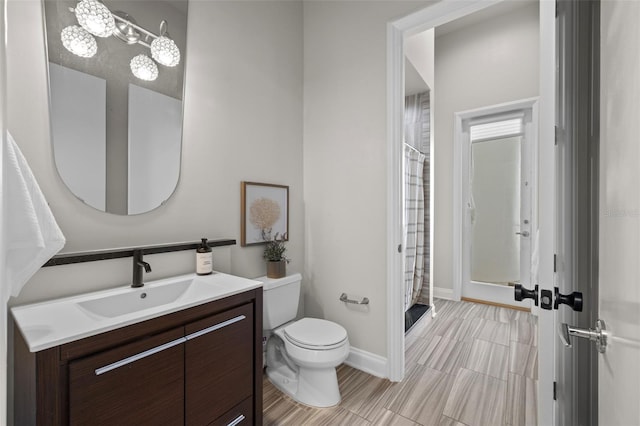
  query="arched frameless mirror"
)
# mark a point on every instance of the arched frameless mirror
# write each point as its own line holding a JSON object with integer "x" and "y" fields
{"x": 116, "y": 79}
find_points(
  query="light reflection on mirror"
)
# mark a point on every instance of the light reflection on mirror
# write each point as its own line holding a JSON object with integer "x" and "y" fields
{"x": 116, "y": 137}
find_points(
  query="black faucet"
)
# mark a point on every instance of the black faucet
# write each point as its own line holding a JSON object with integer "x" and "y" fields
{"x": 138, "y": 264}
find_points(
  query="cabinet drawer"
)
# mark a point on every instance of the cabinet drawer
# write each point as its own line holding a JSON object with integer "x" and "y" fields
{"x": 240, "y": 415}
{"x": 219, "y": 361}
{"x": 135, "y": 384}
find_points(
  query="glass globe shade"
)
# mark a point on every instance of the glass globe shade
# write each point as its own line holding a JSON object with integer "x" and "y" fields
{"x": 95, "y": 17}
{"x": 78, "y": 41}
{"x": 165, "y": 51}
{"x": 144, "y": 68}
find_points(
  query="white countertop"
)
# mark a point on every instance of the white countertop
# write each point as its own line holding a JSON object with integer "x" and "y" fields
{"x": 55, "y": 322}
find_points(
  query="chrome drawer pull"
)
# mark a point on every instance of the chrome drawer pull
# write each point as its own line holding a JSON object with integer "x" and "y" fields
{"x": 215, "y": 327}
{"x": 237, "y": 420}
{"x": 139, "y": 356}
{"x": 168, "y": 345}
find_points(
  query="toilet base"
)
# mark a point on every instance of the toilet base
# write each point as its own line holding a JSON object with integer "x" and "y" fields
{"x": 313, "y": 387}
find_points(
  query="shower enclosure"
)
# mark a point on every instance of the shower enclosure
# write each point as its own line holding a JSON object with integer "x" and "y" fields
{"x": 418, "y": 298}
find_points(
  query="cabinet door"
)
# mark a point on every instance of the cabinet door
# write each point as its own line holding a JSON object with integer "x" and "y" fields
{"x": 141, "y": 383}
{"x": 240, "y": 415}
{"x": 218, "y": 364}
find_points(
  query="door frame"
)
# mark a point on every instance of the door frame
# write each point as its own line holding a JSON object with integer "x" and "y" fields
{"x": 397, "y": 31}
{"x": 461, "y": 230}
{"x": 547, "y": 212}
{"x": 432, "y": 16}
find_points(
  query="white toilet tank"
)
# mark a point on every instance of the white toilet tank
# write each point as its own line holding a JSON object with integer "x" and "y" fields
{"x": 280, "y": 303}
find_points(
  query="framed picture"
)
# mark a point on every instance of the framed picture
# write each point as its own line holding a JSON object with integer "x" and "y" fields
{"x": 265, "y": 213}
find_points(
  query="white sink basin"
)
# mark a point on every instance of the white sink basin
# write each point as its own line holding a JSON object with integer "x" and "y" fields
{"x": 138, "y": 299}
{"x": 52, "y": 323}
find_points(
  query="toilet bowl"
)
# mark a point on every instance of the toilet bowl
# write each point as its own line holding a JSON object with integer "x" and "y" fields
{"x": 301, "y": 356}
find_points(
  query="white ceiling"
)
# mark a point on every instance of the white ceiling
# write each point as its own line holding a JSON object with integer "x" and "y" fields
{"x": 501, "y": 8}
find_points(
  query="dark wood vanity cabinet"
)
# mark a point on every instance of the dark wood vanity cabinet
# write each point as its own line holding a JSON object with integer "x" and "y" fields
{"x": 215, "y": 383}
{"x": 199, "y": 366}
{"x": 150, "y": 389}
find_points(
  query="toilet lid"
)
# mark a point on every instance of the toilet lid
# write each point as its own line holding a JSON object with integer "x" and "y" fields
{"x": 315, "y": 333}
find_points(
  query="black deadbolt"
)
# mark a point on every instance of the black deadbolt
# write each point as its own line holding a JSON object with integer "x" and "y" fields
{"x": 546, "y": 299}
{"x": 520, "y": 293}
{"x": 574, "y": 300}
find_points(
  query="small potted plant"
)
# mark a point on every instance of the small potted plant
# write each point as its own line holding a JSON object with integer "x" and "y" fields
{"x": 274, "y": 256}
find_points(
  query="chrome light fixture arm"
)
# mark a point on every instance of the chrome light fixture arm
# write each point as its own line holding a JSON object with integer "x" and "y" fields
{"x": 146, "y": 32}
{"x": 96, "y": 19}
{"x": 137, "y": 27}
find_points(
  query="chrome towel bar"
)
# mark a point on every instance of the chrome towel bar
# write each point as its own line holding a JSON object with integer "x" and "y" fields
{"x": 345, "y": 299}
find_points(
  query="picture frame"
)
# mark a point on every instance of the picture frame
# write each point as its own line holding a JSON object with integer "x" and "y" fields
{"x": 264, "y": 210}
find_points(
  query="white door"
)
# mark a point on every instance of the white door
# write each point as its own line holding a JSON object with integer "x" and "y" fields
{"x": 617, "y": 218}
{"x": 619, "y": 301}
{"x": 495, "y": 148}
{"x": 500, "y": 213}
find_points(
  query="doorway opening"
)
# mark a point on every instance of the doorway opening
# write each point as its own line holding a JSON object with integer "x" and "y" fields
{"x": 398, "y": 32}
{"x": 495, "y": 201}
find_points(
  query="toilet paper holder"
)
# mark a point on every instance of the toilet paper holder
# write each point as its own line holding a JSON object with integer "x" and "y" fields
{"x": 345, "y": 299}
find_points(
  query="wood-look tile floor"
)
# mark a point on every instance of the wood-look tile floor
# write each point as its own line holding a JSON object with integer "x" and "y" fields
{"x": 473, "y": 364}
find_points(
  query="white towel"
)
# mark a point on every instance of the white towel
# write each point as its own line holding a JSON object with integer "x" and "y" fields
{"x": 31, "y": 232}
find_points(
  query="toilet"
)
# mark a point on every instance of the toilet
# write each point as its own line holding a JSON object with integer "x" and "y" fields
{"x": 302, "y": 355}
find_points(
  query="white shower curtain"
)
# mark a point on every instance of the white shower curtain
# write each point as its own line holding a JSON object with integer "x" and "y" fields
{"x": 414, "y": 225}
{"x": 417, "y": 123}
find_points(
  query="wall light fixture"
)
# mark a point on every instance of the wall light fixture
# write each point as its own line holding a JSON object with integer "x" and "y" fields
{"x": 96, "y": 19}
{"x": 78, "y": 41}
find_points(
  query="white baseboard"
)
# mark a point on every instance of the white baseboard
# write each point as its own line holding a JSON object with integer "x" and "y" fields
{"x": 443, "y": 293}
{"x": 373, "y": 364}
{"x": 494, "y": 293}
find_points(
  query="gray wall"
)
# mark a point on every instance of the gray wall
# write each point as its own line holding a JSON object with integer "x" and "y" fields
{"x": 244, "y": 117}
{"x": 243, "y": 121}
{"x": 345, "y": 163}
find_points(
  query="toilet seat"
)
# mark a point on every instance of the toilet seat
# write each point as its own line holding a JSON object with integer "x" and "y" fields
{"x": 315, "y": 334}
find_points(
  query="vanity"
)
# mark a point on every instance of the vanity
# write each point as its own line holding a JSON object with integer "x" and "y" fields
{"x": 180, "y": 351}
{"x": 184, "y": 350}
